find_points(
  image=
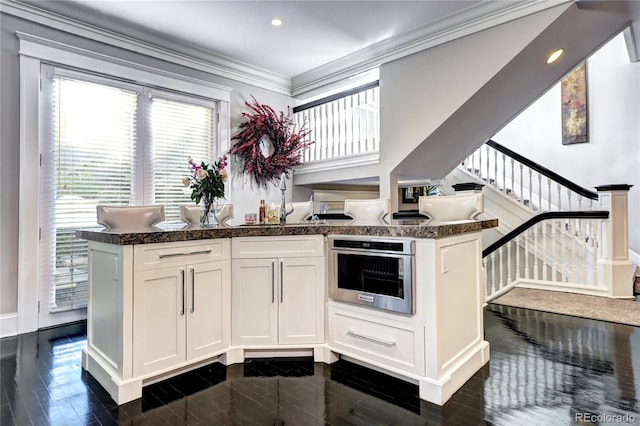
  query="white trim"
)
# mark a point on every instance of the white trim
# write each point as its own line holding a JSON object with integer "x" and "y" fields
{"x": 476, "y": 19}
{"x": 28, "y": 204}
{"x": 8, "y": 325}
{"x": 564, "y": 287}
{"x": 59, "y": 53}
{"x": 339, "y": 163}
{"x": 214, "y": 64}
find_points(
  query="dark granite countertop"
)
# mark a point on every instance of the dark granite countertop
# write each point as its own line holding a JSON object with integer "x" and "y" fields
{"x": 179, "y": 232}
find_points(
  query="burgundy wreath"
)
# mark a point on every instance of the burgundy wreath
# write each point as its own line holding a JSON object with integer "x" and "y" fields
{"x": 288, "y": 145}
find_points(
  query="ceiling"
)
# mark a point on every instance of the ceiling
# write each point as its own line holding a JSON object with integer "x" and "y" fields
{"x": 312, "y": 35}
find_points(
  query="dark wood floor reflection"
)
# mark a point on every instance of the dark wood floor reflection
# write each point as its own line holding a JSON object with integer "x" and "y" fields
{"x": 545, "y": 369}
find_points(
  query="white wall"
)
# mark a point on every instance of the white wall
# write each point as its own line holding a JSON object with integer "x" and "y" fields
{"x": 420, "y": 92}
{"x": 244, "y": 197}
{"x": 612, "y": 154}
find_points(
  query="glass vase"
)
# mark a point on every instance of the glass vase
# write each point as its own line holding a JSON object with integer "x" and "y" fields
{"x": 210, "y": 210}
{"x": 205, "y": 213}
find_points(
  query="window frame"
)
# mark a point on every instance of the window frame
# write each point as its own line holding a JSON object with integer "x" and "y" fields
{"x": 35, "y": 51}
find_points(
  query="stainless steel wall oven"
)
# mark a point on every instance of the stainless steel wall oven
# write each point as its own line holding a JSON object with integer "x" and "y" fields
{"x": 372, "y": 271}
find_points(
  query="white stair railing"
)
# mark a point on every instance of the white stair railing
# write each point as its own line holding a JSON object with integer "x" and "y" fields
{"x": 342, "y": 125}
{"x": 555, "y": 250}
{"x": 566, "y": 249}
{"x": 525, "y": 181}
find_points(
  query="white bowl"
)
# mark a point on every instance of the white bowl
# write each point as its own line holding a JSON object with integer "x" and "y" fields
{"x": 129, "y": 217}
{"x": 447, "y": 208}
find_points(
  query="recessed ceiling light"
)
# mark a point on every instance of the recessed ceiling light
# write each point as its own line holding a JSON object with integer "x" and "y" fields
{"x": 276, "y": 22}
{"x": 554, "y": 56}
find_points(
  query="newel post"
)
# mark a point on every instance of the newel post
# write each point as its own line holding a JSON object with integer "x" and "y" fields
{"x": 614, "y": 267}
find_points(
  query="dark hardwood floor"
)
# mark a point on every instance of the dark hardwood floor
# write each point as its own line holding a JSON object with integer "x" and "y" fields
{"x": 545, "y": 369}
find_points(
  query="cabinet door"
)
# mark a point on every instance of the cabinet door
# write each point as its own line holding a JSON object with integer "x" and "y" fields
{"x": 208, "y": 308}
{"x": 159, "y": 319}
{"x": 254, "y": 302}
{"x": 302, "y": 300}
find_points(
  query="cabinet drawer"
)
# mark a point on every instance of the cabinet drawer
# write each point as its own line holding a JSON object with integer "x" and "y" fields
{"x": 293, "y": 246}
{"x": 370, "y": 340}
{"x": 160, "y": 255}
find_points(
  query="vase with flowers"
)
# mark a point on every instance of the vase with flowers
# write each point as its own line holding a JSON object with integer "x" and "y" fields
{"x": 206, "y": 182}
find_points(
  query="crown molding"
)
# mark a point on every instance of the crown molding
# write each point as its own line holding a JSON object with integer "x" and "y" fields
{"x": 55, "y": 52}
{"x": 214, "y": 64}
{"x": 474, "y": 19}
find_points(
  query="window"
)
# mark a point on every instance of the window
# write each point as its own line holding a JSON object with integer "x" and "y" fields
{"x": 108, "y": 142}
{"x": 37, "y": 260}
{"x": 86, "y": 159}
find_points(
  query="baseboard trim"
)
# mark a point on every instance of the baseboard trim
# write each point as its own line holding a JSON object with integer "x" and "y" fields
{"x": 8, "y": 325}
{"x": 570, "y": 288}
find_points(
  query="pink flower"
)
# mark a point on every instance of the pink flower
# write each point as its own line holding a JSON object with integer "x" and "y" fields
{"x": 201, "y": 174}
{"x": 186, "y": 181}
{"x": 224, "y": 174}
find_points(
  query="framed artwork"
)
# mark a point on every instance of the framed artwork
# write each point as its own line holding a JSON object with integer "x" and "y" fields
{"x": 573, "y": 92}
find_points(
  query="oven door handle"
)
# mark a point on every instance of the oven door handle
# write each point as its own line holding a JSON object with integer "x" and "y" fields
{"x": 388, "y": 344}
{"x": 365, "y": 252}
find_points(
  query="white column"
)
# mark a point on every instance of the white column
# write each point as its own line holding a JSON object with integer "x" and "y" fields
{"x": 614, "y": 267}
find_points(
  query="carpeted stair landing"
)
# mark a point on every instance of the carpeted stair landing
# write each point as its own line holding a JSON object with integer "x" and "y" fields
{"x": 579, "y": 305}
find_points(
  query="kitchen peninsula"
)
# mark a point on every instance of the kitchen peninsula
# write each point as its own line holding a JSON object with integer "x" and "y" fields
{"x": 163, "y": 301}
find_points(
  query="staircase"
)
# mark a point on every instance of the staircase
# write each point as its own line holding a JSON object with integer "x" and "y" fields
{"x": 556, "y": 239}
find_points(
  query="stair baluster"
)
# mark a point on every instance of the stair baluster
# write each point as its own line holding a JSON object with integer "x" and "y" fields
{"x": 540, "y": 192}
{"x": 536, "y": 258}
{"x": 544, "y": 251}
{"x": 501, "y": 271}
{"x": 513, "y": 193}
{"x": 493, "y": 273}
{"x": 527, "y": 236}
{"x": 554, "y": 266}
{"x": 521, "y": 184}
{"x": 585, "y": 249}
{"x": 594, "y": 254}
{"x": 574, "y": 263}
{"x": 495, "y": 169}
{"x": 368, "y": 145}
{"x": 509, "y": 248}
{"x": 504, "y": 173}
{"x": 517, "y": 248}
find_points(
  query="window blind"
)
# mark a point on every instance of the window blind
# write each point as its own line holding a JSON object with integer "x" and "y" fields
{"x": 88, "y": 161}
{"x": 179, "y": 130}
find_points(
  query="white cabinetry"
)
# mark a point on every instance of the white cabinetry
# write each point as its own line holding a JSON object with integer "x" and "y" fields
{"x": 181, "y": 303}
{"x": 385, "y": 339}
{"x": 442, "y": 345}
{"x": 278, "y": 291}
{"x": 158, "y": 309}
{"x": 155, "y": 309}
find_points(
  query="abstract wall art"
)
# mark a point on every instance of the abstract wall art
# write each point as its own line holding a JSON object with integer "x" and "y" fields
{"x": 573, "y": 92}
